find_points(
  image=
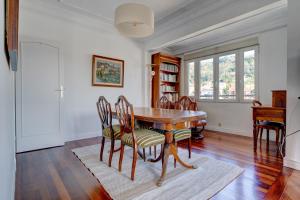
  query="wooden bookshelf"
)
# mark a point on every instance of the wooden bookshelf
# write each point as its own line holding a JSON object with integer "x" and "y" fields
{"x": 166, "y": 80}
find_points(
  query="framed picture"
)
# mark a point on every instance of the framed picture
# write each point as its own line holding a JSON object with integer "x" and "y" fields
{"x": 11, "y": 14}
{"x": 107, "y": 72}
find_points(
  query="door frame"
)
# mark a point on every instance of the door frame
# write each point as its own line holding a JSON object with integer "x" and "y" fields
{"x": 19, "y": 92}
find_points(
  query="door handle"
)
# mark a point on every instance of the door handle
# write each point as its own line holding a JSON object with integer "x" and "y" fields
{"x": 61, "y": 90}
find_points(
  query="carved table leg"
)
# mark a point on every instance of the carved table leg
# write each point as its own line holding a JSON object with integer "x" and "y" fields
{"x": 165, "y": 164}
{"x": 170, "y": 148}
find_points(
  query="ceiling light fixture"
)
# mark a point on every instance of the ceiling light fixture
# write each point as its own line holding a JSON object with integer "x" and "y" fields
{"x": 134, "y": 20}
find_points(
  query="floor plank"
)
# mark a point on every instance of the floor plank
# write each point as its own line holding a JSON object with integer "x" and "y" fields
{"x": 56, "y": 173}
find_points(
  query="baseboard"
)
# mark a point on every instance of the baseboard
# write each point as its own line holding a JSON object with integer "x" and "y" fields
{"x": 229, "y": 130}
{"x": 291, "y": 164}
{"x": 237, "y": 132}
{"x": 80, "y": 136}
{"x": 13, "y": 187}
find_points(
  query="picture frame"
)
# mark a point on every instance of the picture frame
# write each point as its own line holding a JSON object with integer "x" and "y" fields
{"x": 107, "y": 72}
{"x": 11, "y": 25}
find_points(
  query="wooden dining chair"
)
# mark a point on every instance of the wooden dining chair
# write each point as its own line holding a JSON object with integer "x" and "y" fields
{"x": 109, "y": 131}
{"x": 164, "y": 103}
{"x": 133, "y": 137}
{"x": 184, "y": 103}
{"x": 268, "y": 125}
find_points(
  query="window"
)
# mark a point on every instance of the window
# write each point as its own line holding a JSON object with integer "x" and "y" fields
{"x": 227, "y": 77}
{"x": 207, "y": 79}
{"x": 230, "y": 76}
{"x": 191, "y": 78}
{"x": 249, "y": 75}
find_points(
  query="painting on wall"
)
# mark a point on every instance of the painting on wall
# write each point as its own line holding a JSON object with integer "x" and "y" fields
{"x": 107, "y": 72}
{"x": 11, "y": 14}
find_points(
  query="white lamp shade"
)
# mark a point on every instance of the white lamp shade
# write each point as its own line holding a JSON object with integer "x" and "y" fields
{"x": 134, "y": 20}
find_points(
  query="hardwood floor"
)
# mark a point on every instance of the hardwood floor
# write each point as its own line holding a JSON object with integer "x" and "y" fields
{"x": 56, "y": 173}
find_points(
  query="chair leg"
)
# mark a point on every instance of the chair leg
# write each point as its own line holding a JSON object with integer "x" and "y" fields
{"x": 102, "y": 148}
{"x": 174, "y": 158}
{"x": 277, "y": 136}
{"x": 150, "y": 151}
{"x": 134, "y": 157}
{"x": 112, "y": 147}
{"x": 261, "y": 133}
{"x": 121, "y": 156}
{"x": 144, "y": 154}
{"x": 190, "y": 147}
{"x": 268, "y": 136}
{"x": 163, "y": 156}
{"x": 154, "y": 151}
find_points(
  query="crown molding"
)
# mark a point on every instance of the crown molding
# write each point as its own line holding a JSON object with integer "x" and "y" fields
{"x": 265, "y": 18}
{"x": 55, "y": 10}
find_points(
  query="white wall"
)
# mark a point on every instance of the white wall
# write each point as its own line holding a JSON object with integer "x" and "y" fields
{"x": 237, "y": 117}
{"x": 7, "y": 135}
{"x": 80, "y": 37}
{"x": 292, "y": 158}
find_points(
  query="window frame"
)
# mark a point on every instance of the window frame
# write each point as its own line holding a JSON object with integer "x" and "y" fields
{"x": 186, "y": 77}
{"x": 239, "y": 76}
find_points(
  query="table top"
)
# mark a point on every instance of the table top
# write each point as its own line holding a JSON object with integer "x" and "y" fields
{"x": 167, "y": 115}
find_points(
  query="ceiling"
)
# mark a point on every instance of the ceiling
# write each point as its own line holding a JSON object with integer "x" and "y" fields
{"x": 105, "y": 8}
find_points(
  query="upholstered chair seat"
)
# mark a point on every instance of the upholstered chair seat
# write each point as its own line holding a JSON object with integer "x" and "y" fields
{"x": 116, "y": 132}
{"x": 144, "y": 138}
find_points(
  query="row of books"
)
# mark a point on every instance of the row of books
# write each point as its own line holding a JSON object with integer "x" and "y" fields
{"x": 172, "y": 97}
{"x": 168, "y": 67}
{"x": 168, "y": 77}
{"x": 167, "y": 88}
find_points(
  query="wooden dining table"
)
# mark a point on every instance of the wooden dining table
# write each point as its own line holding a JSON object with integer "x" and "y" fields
{"x": 168, "y": 120}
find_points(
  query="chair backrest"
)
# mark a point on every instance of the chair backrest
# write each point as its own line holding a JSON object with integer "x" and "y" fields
{"x": 256, "y": 103}
{"x": 125, "y": 115}
{"x": 164, "y": 103}
{"x": 186, "y": 103}
{"x": 104, "y": 111}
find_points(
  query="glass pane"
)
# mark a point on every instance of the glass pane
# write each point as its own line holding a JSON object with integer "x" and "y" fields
{"x": 207, "y": 79}
{"x": 249, "y": 75}
{"x": 227, "y": 73}
{"x": 191, "y": 79}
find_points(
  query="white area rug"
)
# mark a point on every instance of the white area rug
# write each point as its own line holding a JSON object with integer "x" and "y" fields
{"x": 209, "y": 178}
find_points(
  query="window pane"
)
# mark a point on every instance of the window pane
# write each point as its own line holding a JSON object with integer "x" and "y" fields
{"x": 207, "y": 79}
{"x": 191, "y": 79}
{"x": 227, "y": 73}
{"x": 249, "y": 75}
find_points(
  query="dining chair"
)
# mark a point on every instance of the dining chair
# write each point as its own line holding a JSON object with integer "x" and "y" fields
{"x": 109, "y": 130}
{"x": 133, "y": 137}
{"x": 164, "y": 103}
{"x": 184, "y": 103}
{"x": 269, "y": 125}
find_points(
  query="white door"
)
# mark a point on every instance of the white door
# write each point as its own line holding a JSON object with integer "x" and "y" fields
{"x": 39, "y": 93}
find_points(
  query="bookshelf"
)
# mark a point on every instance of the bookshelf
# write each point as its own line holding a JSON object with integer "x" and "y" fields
{"x": 166, "y": 80}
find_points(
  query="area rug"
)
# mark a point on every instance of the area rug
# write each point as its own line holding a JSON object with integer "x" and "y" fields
{"x": 208, "y": 179}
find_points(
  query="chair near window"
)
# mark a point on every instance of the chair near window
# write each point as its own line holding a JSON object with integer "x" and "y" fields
{"x": 164, "y": 103}
{"x": 133, "y": 137}
{"x": 109, "y": 131}
{"x": 268, "y": 125}
{"x": 184, "y": 103}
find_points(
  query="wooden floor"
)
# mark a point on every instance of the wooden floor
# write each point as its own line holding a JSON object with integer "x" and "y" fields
{"x": 56, "y": 173}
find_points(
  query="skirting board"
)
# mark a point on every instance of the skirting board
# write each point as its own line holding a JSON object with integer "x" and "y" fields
{"x": 236, "y": 132}
{"x": 291, "y": 164}
{"x": 80, "y": 136}
{"x": 229, "y": 130}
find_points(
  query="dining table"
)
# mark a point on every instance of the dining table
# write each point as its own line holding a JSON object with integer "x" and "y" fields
{"x": 168, "y": 120}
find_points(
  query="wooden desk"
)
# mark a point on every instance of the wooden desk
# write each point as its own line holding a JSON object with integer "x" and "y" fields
{"x": 168, "y": 120}
{"x": 266, "y": 113}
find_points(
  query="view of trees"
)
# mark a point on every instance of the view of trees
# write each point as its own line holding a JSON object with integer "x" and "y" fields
{"x": 249, "y": 75}
{"x": 227, "y": 76}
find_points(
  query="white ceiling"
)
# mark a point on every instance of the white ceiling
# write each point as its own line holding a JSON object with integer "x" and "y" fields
{"x": 105, "y": 8}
